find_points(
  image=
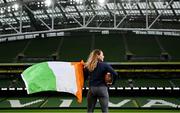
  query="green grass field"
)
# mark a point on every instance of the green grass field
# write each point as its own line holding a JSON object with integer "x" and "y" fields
{"x": 84, "y": 111}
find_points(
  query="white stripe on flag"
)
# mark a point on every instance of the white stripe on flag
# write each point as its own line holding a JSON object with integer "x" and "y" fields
{"x": 65, "y": 76}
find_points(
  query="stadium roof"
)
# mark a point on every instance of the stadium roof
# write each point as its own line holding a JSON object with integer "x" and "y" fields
{"x": 21, "y": 17}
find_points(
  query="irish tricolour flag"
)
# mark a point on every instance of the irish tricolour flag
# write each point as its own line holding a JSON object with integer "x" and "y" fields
{"x": 55, "y": 76}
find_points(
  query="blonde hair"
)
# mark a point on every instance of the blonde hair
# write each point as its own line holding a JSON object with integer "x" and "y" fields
{"x": 92, "y": 60}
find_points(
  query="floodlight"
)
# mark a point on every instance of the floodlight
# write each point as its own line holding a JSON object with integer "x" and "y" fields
{"x": 16, "y": 6}
{"x": 79, "y": 1}
{"x": 102, "y": 2}
{"x": 48, "y": 2}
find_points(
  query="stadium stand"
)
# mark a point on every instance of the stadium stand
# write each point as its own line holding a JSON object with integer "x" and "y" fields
{"x": 171, "y": 44}
{"x": 80, "y": 49}
{"x": 151, "y": 83}
{"x": 112, "y": 45}
{"x": 9, "y": 50}
{"x": 39, "y": 49}
{"x": 142, "y": 47}
{"x": 42, "y": 47}
{"x": 176, "y": 82}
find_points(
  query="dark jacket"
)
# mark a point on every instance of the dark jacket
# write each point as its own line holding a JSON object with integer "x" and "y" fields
{"x": 96, "y": 77}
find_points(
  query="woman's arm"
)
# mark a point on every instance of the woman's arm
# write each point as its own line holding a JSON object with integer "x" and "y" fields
{"x": 113, "y": 73}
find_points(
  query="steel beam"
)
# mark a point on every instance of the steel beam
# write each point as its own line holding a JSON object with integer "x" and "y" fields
{"x": 126, "y": 15}
{"x": 118, "y": 8}
{"x": 70, "y": 15}
{"x": 102, "y": 21}
{"x": 160, "y": 14}
{"x": 108, "y": 10}
{"x": 174, "y": 12}
{"x": 124, "y": 11}
{"x": 90, "y": 20}
{"x": 157, "y": 13}
{"x": 20, "y": 23}
{"x": 131, "y": 29}
{"x": 115, "y": 6}
{"x": 52, "y": 22}
{"x": 84, "y": 16}
{"x": 14, "y": 18}
{"x": 37, "y": 16}
{"x": 146, "y": 13}
{"x": 140, "y": 10}
{"x": 78, "y": 12}
{"x": 91, "y": 7}
{"x": 90, "y": 28}
{"x": 45, "y": 11}
{"x": 11, "y": 26}
{"x": 62, "y": 12}
{"x": 39, "y": 32}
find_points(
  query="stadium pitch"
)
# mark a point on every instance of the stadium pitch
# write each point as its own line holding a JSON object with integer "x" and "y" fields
{"x": 84, "y": 111}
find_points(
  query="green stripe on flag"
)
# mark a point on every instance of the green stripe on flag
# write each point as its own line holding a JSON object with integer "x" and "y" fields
{"x": 39, "y": 77}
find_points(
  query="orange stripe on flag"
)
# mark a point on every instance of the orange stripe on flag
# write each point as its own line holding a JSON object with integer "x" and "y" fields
{"x": 79, "y": 79}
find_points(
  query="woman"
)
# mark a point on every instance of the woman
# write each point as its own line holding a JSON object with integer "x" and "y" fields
{"x": 95, "y": 70}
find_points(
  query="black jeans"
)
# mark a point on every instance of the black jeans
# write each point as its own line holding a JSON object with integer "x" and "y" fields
{"x": 95, "y": 93}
